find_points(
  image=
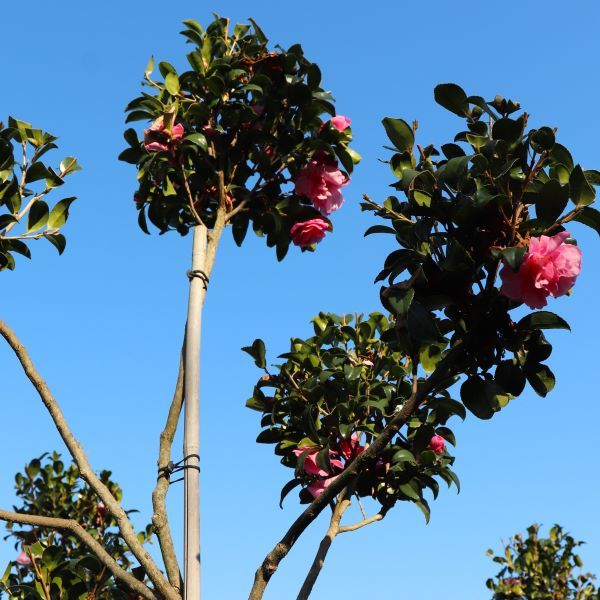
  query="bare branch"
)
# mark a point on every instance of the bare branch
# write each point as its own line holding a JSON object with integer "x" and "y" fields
{"x": 342, "y": 504}
{"x": 98, "y": 550}
{"x": 271, "y": 562}
{"x": 86, "y": 472}
{"x": 160, "y": 518}
{"x": 346, "y": 528}
{"x": 239, "y": 208}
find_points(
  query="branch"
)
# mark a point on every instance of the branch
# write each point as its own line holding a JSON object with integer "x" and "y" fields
{"x": 342, "y": 504}
{"x": 269, "y": 565}
{"x": 240, "y": 207}
{"x": 74, "y": 527}
{"x": 160, "y": 518}
{"x": 85, "y": 471}
{"x": 378, "y": 517}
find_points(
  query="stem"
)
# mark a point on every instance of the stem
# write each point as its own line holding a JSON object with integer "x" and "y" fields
{"x": 334, "y": 528}
{"x": 191, "y": 443}
{"x": 443, "y": 372}
{"x": 85, "y": 470}
{"x": 160, "y": 518}
{"x": 74, "y": 527}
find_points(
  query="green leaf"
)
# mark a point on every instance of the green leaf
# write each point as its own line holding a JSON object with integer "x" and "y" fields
{"x": 60, "y": 213}
{"x": 380, "y": 229}
{"x": 149, "y": 67}
{"x": 590, "y": 217}
{"x": 408, "y": 490}
{"x": 542, "y": 139}
{"x": 592, "y": 176}
{"x": 452, "y": 97}
{"x": 172, "y": 83}
{"x": 58, "y": 240}
{"x": 421, "y": 324}
{"x": 541, "y": 378}
{"x": 258, "y": 352}
{"x": 198, "y": 139}
{"x": 68, "y": 165}
{"x": 36, "y": 172}
{"x": 510, "y": 377}
{"x": 551, "y": 201}
{"x": 400, "y": 134}
{"x": 582, "y": 193}
{"x": 482, "y": 397}
{"x": 38, "y": 216}
{"x": 543, "y": 319}
{"x": 513, "y": 256}
{"x": 287, "y": 488}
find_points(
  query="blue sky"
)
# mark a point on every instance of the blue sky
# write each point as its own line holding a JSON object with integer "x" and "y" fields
{"x": 104, "y": 322}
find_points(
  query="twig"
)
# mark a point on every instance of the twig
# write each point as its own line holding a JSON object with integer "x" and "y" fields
{"x": 85, "y": 471}
{"x": 239, "y": 208}
{"x": 103, "y": 556}
{"x": 160, "y": 518}
{"x": 346, "y": 528}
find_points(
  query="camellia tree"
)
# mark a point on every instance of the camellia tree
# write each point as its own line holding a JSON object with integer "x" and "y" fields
{"x": 246, "y": 137}
{"x": 538, "y": 568}
{"x": 54, "y": 563}
{"x": 360, "y": 410}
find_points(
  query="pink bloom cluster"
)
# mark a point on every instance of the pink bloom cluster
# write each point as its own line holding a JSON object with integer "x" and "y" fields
{"x": 307, "y": 233}
{"x": 157, "y": 138}
{"x": 437, "y": 444}
{"x": 340, "y": 123}
{"x": 348, "y": 451}
{"x": 23, "y": 559}
{"x": 549, "y": 268}
{"x": 321, "y": 181}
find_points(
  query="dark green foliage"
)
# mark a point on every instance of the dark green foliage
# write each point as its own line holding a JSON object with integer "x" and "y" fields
{"x": 344, "y": 382}
{"x": 536, "y": 568}
{"x": 47, "y": 488}
{"x": 459, "y": 215}
{"x": 253, "y": 113}
{"x": 25, "y": 182}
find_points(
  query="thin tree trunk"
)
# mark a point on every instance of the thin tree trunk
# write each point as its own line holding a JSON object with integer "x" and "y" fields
{"x": 191, "y": 444}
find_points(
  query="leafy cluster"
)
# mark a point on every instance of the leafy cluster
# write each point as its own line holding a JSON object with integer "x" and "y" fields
{"x": 536, "y": 568}
{"x": 59, "y": 562}
{"x": 345, "y": 384}
{"x": 466, "y": 212}
{"x": 251, "y": 119}
{"x": 25, "y": 182}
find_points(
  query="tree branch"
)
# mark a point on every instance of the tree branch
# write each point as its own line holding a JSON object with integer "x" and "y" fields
{"x": 160, "y": 518}
{"x": 85, "y": 470}
{"x": 334, "y": 528}
{"x": 74, "y": 527}
{"x": 346, "y": 528}
{"x": 271, "y": 562}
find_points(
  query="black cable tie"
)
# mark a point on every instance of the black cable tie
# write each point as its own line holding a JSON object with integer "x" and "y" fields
{"x": 177, "y": 467}
{"x": 200, "y": 274}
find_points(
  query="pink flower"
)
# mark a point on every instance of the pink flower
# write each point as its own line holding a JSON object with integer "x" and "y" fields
{"x": 311, "y": 467}
{"x": 321, "y": 181}
{"x": 101, "y": 509}
{"x": 437, "y": 443}
{"x": 340, "y": 122}
{"x": 350, "y": 449}
{"x": 23, "y": 559}
{"x": 307, "y": 233}
{"x": 157, "y": 138}
{"x": 549, "y": 268}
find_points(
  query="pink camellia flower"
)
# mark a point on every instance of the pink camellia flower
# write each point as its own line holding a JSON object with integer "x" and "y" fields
{"x": 340, "y": 122}
{"x": 321, "y": 181}
{"x": 307, "y": 233}
{"x": 350, "y": 449}
{"x": 437, "y": 443}
{"x": 311, "y": 467}
{"x": 23, "y": 559}
{"x": 549, "y": 268}
{"x": 157, "y": 138}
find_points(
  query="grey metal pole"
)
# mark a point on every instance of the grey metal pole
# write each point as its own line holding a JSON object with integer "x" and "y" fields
{"x": 191, "y": 443}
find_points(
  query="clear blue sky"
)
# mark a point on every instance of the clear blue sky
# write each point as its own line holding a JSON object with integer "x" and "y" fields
{"x": 104, "y": 322}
